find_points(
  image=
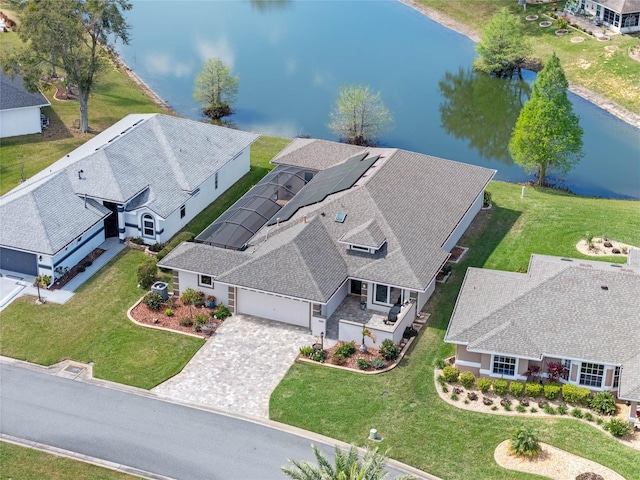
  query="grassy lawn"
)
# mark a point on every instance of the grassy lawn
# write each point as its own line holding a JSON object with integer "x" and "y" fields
{"x": 590, "y": 63}
{"x": 27, "y": 464}
{"x": 403, "y": 406}
{"x": 93, "y": 327}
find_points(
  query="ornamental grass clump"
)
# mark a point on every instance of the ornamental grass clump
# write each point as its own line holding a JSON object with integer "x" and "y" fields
{"x": 525, "y": 443}
{"x": 604, "y": 403}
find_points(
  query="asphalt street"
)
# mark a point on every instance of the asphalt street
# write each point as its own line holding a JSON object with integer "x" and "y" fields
{"x": 143, "y": 432}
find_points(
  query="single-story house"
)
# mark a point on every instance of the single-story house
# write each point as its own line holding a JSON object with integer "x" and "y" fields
{"x": 19, "y": 108}
{"x": 146, "y": 176}
{"x": 622, "y": 16}
{"x": 333, "y": 223}
{"x": 579, "y": 314}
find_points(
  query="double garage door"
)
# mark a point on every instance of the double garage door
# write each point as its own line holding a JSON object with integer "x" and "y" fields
{"x": 17, "y": 261}
{"x": 272, "y": 307}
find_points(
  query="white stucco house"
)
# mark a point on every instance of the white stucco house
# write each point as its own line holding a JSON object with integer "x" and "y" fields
{"x": 331, "y": 225}
{"x": 622, "y": 16}
{"x": 146, "y": 176}
{"x": 580, "y": 314}
{"x": 19, "y": 108}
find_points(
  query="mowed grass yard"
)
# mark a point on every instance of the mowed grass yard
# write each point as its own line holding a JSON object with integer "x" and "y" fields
{"x": 603, "y": 67}
{"x": 418, "y": 427}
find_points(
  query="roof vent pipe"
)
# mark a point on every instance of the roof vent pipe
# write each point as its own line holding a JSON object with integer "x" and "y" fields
{"x": 304, "y": 219}
{"x": 80, "y": 172}
{"x": 278, "y": 222}
{"x": 604, "y": 287}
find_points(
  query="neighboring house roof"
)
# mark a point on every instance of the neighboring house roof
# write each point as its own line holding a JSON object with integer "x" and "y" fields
{"x": 558, "y": 309}
{"x": 32, "y": 219}
{"x": 13, "y": 94}
{"x": 633, "y": 257}
{"x": 621, "y": 6}
{"x": 154, "y": 161}
{"x": 315, "y": 154}
{"x": 407, "y": 203}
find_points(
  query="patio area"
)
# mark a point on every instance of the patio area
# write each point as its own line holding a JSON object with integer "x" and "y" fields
{"x": 350, "y": 310}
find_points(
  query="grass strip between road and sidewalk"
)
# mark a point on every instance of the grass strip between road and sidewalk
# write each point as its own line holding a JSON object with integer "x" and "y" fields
{"x": 417, "y": 426}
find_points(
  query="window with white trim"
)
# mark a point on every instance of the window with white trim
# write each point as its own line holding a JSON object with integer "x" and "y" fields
{"x": 205, "y": 281}
{"x": 215, "y": 180}
{"x": 387, "y": 295}
{"x": 591, "y": 375}
{"x": 359, "y": 248}
{"x": 504, "y": 365}
{"x": 183, "y": 211}
{"x": 148, "y": 226}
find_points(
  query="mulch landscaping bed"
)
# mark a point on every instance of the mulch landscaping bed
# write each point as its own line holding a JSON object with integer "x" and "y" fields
{"x": 79, "y": 268}
{"x": 143, "y": 314}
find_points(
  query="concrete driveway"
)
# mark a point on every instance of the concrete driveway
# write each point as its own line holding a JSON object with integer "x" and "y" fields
{"x": 239, "y": 366}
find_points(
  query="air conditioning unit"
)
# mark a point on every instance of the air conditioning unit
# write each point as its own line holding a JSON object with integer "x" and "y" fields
{"x": 162, "y": 288}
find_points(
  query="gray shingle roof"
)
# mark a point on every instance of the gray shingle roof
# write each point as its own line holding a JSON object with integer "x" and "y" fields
{"x": 169, "y": 156}
{"x": 46, "y": 216}
{"x": 368, "y": 234}
{"x": 13, "y": 94}
{"x": 559, "y": 309}
{"x": 621, "y": 6}
{"x": 307, "y": 260}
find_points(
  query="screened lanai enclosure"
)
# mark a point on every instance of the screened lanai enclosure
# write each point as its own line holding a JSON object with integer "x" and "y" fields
{"x": 278, "y": 196}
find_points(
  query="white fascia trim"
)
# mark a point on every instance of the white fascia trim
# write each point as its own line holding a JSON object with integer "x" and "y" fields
{"x": 502, "y": 354}
{"x": 466, "y": 363}
{"x": 387, "y": 284}
{"x": 504, "y": 377}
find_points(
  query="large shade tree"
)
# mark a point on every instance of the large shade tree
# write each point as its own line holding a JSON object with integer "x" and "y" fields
{"x": 503, "y": 48}
{"x": 347, "y": 465}
{"x": 73, "y": 35}
{"x": 359, "y": 115}
{"x": 216, "y": 88}
{"x": 547, "y": 135}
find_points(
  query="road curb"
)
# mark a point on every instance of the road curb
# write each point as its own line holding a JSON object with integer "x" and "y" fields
{"x": 82, "y": 458}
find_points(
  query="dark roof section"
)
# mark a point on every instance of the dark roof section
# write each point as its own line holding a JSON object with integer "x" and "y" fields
{"x": 243, "y": 219}
{"x": 13, "y": 94}
{"x": 332, "y": 180}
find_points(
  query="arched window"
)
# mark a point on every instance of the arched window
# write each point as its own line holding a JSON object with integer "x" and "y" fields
{"x": 148, "y": 226}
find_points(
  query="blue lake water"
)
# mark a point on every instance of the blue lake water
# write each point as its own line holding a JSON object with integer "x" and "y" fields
{"x": 293, "y": 55}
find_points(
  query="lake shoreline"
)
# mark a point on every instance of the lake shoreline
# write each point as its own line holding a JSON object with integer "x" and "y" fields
{"x": 597, "y": 99}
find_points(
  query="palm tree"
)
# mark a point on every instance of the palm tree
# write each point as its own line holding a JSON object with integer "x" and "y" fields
{"x": 41, "y": 281}
{"x": 347, "y": 466}
{"x": 366, "y": 333}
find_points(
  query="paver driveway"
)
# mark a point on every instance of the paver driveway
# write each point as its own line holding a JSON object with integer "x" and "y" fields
{"x": 239, "y": 366}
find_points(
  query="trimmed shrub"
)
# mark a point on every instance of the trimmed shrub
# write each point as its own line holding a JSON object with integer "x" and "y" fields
{"x": 378, "y": 363}
{"x": 318, "y": 356}
{"x": 147, "y": 274}
{"x": 153, "y": 300}
{"x": 618, "y": 427}
{"x": 500, "y": 386}
{"x": 451, "y": 374}
{"x": 516, "y": 388}
{"x": 338, "y": 359}
{"x": 576, "y": 412}
{"x": 533, "y": 389}
{"x": 575, "y": 394}
{"x": 346, "y": 350}
{"x": 484, "y": 384}
{"x": 551, "y": 391}
{"x": 174, "y": 242}
{"x": 156, "y": 247}
{"x": 467, "y": 379}
{"x": 390, "y": 350}
{"x": 525, "y": 443}
{"x": 604, "y": 403}
{"x": 168, "y": 312}
{"x": 362, "y": 363}
{"x": 221, "y": 312}
{"x": 137, "y": 240}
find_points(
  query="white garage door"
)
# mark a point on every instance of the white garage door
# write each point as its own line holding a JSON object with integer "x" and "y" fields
{"x": 274, "y": 308}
